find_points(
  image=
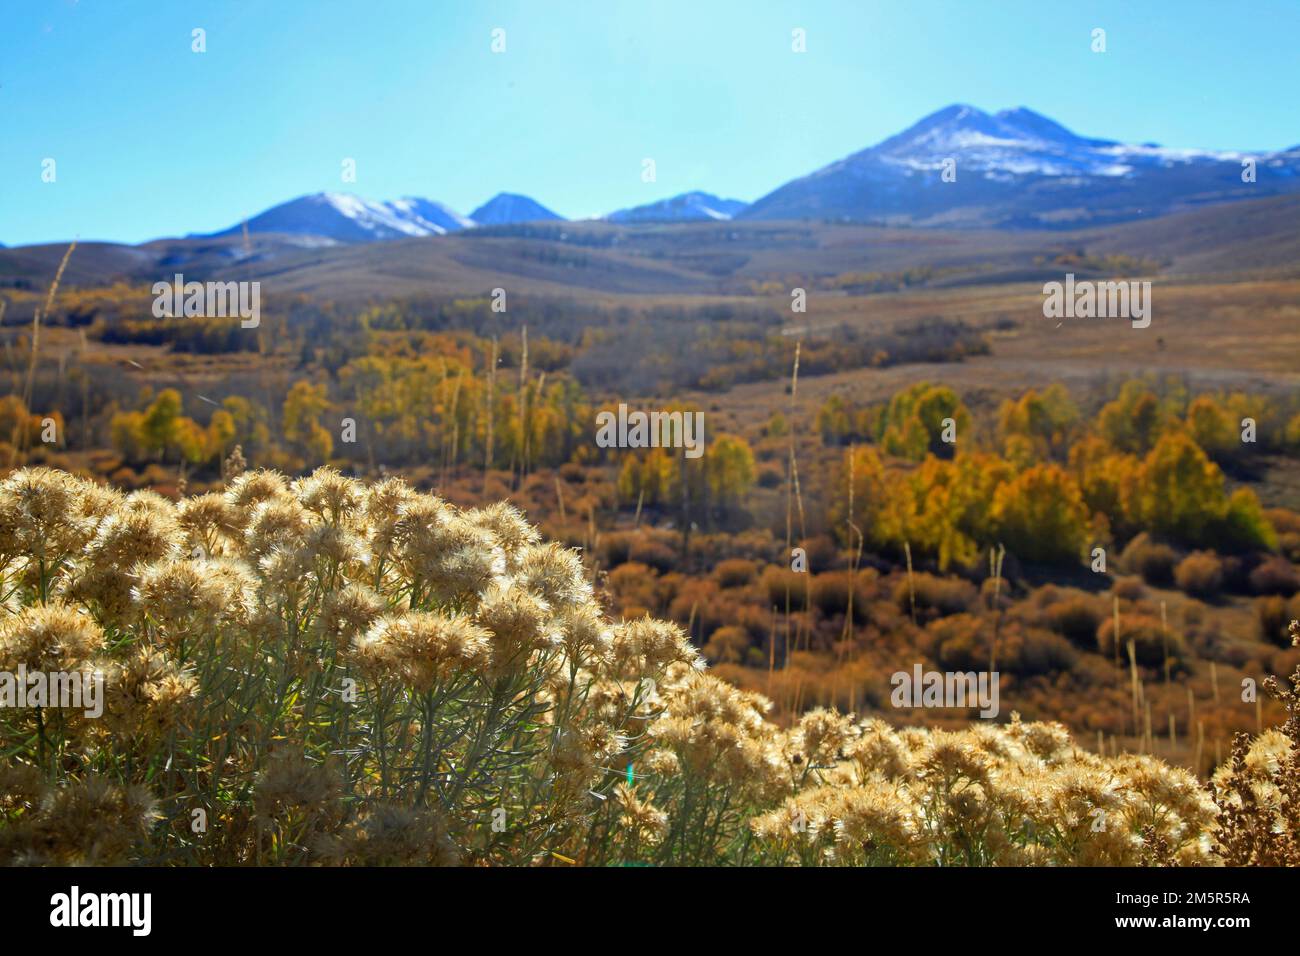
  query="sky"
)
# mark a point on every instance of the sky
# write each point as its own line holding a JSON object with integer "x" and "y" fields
{"x": 151, "y": 139}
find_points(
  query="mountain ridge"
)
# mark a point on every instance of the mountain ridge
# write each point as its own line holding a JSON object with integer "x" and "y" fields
{"x": 694, "y": 206}
{"x": 505, "y": 209}
{"x": 962, "y": 167}
{"x": 958, "y": 167}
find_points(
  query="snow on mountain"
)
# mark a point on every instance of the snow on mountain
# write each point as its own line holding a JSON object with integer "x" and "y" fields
{"x": 688, "y": 207}
{"x": 347, "y": 218}
{"x": 957, "y": 167}
{"x": 1022, "y": 142}
{"x": 508, "y": 208}
{"x": 436, "y": 217}
{"x": 1018, "y": 169}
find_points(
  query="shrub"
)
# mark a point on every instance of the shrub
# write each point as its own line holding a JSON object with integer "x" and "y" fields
{"x": 1150, "y": 559}
{"x": 1128, "y": 589}
{"x": 1288, "y": 543}
{"x": 1275, "y": 614}
{"x": 1256, "y": 790}
{"x": 1148, "y": 638}
{"x": 1275, "y": 575}
{"x": 1200, "y": 574}
{"x": 615, "y": 548}
{"x": 1076, "y": 619}
{"x": 959, "y": 642}
{"x": 995, "y": 592}
{"x": 699, "y": 604}
{"x": 822, "y": 553}
{"x": 633, "y": 583}
{"x": 735, "y": 573}
{"x": 830, "y": 594}
{"x": 1243, "y": 526}
{"x": 780, "y": 581}
{"x": 937, "y": 594}
{"x": 653, "y": 551}
{"x": 1032, "y": 650}
{"x": 1287, "y": 525}
{"x": 727, "y": 645}
{"x": 483, "y": 666}
{"x": 770, "y": 475}
{"x": 462, "y": 633}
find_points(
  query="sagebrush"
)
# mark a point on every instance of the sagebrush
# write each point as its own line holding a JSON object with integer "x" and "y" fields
{"x": 323, "y": 671}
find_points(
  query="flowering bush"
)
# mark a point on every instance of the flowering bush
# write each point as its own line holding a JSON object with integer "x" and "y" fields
{"x": 327, "y": 672}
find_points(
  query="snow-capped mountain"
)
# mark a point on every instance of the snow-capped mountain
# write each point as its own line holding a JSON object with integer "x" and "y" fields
{"x": 347, "y": 218}
{"x": 1021, "y": 142}
{"x": 688, "y": 207}
{"x": 1017, "y": 168}
{"x": 505, "y": 209}
{"x": 958, "y": 167}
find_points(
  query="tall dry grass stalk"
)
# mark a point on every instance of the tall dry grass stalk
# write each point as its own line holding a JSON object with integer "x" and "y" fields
{"x": 1164, "y": 642}
{"x": 490, "y": 398}
{"x": 559, "y": 497}
{"x": 791, "y": 494}
{"x": 855, "y": 557}
{"x": 911, "y": 581}
{"x": 1148, "y": 740}
{"x": 19, "y": 441}
{"x": 36, "y": 322}
{"x": 523, "y": 401}
{"x": 1115, "y": 626}
{"x": 1136, "y": 687}
{"x": 995, "y": 571}
{"x": 771, "y": 649}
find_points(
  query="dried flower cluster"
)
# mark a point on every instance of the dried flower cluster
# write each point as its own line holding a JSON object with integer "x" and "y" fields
{"x": 1258, "y": 790}
{"x": 328, "y": 672}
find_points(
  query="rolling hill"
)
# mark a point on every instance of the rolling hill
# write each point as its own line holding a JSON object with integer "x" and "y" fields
{"x": 1258, "y": 239}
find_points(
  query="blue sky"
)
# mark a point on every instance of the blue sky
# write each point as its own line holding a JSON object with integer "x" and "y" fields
{"x": 152, "y": 140}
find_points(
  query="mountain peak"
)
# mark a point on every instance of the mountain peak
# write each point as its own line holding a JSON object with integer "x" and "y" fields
{"x": 1017, "y": 168}
{"x": 507, "y": 208}
{"x": 955, "y": 113}
{"x": 345, "y": 217}
{"x": 942, "y": 129}
{"x": 686, "y": 207}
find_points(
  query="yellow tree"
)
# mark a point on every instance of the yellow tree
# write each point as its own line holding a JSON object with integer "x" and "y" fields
{"x": 1178, "y": 491}
{"x": 160, "y": 421}
{"x": 303, "y": 408}
{"x": 728, "y": 470}
{"x": 1040, "y": 515}
{"x": 1211, "y": 427}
